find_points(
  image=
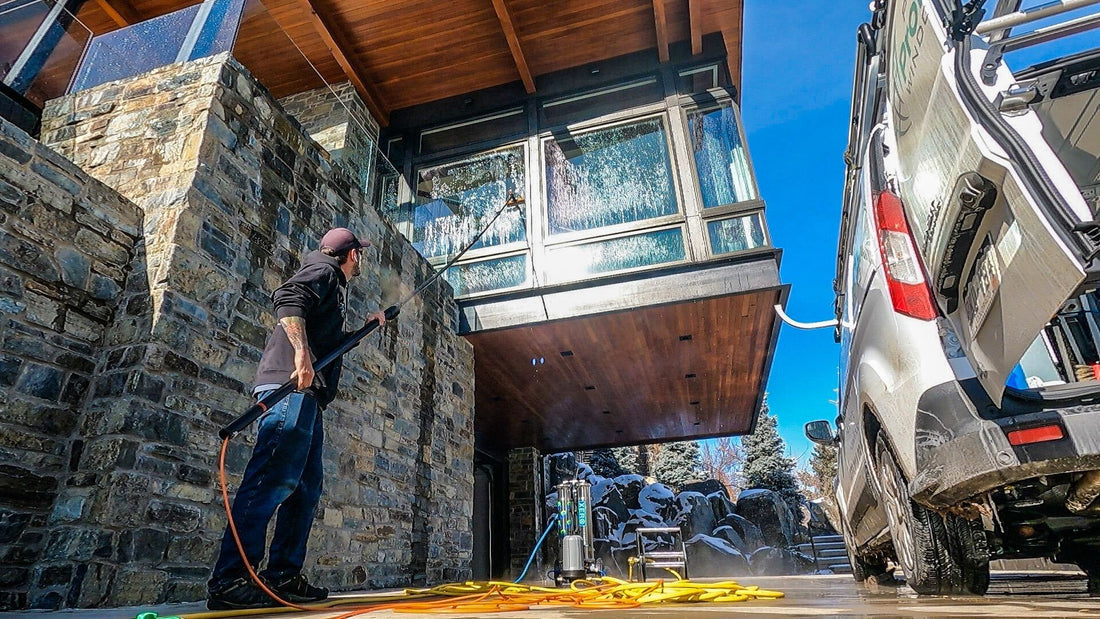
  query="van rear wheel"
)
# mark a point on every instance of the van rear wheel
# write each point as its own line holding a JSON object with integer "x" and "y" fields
{"x": 939, "y": 555}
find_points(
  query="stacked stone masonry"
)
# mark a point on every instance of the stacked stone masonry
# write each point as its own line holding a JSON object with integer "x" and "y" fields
{"x": 66, "y": 243}
{"x": 231, "y": 192}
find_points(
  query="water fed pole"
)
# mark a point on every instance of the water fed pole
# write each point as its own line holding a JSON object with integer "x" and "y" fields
{"x": 257, "y": 409}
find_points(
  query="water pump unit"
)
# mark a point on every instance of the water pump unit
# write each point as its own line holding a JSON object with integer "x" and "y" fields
{"x": 577, "y": 557}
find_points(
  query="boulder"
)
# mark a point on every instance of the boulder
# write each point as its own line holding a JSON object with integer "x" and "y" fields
{"x": 748, "y": 532}
{"x": 768, "y": 511}
{"x": 727, "y": 533}
{"x": 720, "y": 504}
{"x": 709, "y": 557}
{"x": 770, "y": 561}
{"x": 629, "y": 486}
{"x": 705, "y": 488}
{"x": 611, "y": 497}
{"x": 695, "y": 515}
{"x": 585, "y": 472}
{"x": 660, "y": 500}
{"x": 820, "y": 523}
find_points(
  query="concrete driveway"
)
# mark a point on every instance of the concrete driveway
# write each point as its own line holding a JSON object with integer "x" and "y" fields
{"x": 1012, "y": 594}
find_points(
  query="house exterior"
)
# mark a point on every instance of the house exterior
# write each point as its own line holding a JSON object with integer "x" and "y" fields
{"x": 622, "y": 295}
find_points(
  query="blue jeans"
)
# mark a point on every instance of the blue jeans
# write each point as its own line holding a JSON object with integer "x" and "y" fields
{"x": 284, "y": 473}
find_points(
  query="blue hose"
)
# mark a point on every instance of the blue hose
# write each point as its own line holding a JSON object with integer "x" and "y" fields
{"x": 549, "y": 527}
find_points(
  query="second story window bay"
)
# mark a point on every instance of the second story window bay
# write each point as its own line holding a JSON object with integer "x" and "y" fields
{"x": 641, "y": 173}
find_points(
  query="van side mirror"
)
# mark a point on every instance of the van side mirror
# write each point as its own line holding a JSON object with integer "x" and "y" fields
{"x": 820, "y": 432}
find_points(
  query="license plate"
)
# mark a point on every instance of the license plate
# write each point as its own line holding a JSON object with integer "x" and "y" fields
{"x": 982, "y": 285}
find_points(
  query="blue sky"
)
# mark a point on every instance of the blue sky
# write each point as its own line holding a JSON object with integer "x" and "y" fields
{"x": 799, "y": 59}
{"x": 797, "y": 83}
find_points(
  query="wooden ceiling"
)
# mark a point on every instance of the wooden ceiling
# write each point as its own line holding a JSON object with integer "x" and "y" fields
{"x": 400, "y": 54}
{"x": 652, "y": 374}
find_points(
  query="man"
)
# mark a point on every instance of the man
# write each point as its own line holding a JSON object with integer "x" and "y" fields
{"x": 285, "y": 472}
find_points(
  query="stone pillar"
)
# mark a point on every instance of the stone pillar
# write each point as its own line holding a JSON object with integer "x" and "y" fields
{"x": 526, "y": 520}
{"x": 234, "y": 193}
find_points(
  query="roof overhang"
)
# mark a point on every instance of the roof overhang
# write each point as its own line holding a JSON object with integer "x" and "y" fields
{"x": 668, "y": 355}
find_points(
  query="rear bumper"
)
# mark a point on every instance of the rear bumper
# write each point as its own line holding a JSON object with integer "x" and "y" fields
{"x": 959, "y": 455}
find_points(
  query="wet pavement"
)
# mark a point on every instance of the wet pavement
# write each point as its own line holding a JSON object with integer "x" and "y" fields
{"x": 1011, "y": 594}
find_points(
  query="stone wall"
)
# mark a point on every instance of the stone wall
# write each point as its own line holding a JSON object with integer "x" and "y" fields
{"x": 233, "y": 194}
{"x": 65, "y": 244}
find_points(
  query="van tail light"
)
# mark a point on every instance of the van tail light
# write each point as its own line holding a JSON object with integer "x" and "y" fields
{"x": 909, "y": 290}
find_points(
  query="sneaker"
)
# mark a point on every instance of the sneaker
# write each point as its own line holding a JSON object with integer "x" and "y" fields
{"x": 295, "y": 589}
{"x": 239, "y": 594}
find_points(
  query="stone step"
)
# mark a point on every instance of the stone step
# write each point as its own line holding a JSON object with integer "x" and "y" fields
{"x": 838, "y": 568}
{"x": 819, "y": 539}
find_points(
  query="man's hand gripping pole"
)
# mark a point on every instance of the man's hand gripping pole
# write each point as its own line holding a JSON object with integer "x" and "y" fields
{"x": 259, "y": 408}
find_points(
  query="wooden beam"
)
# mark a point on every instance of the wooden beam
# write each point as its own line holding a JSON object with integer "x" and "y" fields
{"x": 661, "y": 22}
{"x": 336, "y": 44}
{"x": 695, "y": 18}
{"x": 120, "y": 11}
{"x": 504, "y": 14}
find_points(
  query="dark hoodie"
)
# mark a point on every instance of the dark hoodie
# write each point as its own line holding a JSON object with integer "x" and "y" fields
{"x": 317, "y": 293}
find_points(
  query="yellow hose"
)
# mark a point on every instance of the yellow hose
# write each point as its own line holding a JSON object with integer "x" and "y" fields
{"x": 492, "y": 596}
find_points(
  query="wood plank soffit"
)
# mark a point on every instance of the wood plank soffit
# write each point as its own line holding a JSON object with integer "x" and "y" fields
{"x": 695, "y": 19}
{"x": 504, "y": 14}
{"x": 336, "y": 44}
{"x": 120, "y": 11}
{"x": 661, "y": 22}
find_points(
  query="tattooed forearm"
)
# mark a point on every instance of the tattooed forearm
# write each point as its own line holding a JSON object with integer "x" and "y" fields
{"x": 295, "y": 327}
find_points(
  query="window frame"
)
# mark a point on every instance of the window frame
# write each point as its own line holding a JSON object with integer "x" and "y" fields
{"x": 528, "y": 275}
{"x": 659, "y": 112}
{"x": 474, "y": 255}
{"x": 544, "y": 275}
{"x": 715, "y": 99}
{"x": 735, "y": 215}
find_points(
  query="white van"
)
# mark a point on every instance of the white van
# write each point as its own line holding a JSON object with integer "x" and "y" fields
{"x": 967, "y": 306}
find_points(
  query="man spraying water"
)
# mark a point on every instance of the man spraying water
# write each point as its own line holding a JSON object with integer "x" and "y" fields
{"x": 285, "y": 470}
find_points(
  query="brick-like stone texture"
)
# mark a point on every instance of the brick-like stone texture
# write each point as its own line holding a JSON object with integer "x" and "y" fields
{"x": 232, "y": 192}
{"x": 66, "y": 243}
{"x": 525, "y": 516}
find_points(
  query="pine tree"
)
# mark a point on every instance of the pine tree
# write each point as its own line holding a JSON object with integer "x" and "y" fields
{"x": 604, "y": 462}
{"x": 823, "y": 462}
{"x": 765, "y": 465}
{"x": 627, "y": 457}
{"x": 678, "y": 463}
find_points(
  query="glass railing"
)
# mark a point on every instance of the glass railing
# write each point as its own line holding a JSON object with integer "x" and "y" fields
{"x": 41, "y": 46}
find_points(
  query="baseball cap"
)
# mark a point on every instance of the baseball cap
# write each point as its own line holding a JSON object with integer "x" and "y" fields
{"x": 342, "y": 240}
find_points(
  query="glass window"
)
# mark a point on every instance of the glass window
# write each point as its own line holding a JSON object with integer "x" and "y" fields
{"x": 721, "y": 162}
{"x": 456, "y": 200}
{"x": 698, "y": 79}
{"x": 493, "y": 274}
{"x": 600, "y": 102}
{"x": 628, "y": 252}
{"x": 608, "y": 177}
{"x": 512, "y": 122}
{"x": 735, "y": 233}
